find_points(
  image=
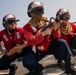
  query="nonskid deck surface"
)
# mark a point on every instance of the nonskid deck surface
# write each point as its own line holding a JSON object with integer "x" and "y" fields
{"x": 49, "y": 63}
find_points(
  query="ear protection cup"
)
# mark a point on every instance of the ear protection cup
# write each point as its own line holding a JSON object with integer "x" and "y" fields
{"x": 3, "y": 25}
{"x": 28, "y": 13}
{"x": 4, "y": 22}
{"x": 57, "y": 14}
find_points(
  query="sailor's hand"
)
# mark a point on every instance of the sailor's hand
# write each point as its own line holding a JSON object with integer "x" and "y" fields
{"x": 4, "y": 52}
{"x": 56, "y": 25}
{"x": 48, "y": 31}
{"x": 20, "y": 49}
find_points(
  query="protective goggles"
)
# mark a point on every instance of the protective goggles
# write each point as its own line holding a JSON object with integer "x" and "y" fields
{"x": 38, "y": 10}
{"x": 65, "y": 16}
{"x": 11, "y": 22}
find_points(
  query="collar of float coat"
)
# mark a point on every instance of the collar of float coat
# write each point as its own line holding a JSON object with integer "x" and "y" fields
{"x": 65, "y": 29}
{"x": 37, "y": 20}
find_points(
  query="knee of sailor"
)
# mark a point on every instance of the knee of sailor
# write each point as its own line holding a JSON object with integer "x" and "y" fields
{"x": 62, "y": 41}
{"x": 26, "y": 62}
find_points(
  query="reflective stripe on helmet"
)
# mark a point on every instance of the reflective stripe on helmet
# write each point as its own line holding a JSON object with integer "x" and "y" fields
{"x": 36, "y": 4}
{"x": 63, "y": 11}
{"x": 9, "y": 17}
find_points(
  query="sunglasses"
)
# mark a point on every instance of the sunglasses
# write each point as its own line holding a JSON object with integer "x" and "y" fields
{"x": 38, "y": 11}
{"x": 10, "y": 22}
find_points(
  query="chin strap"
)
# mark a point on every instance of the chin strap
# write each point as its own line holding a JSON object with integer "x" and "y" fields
{"x": 9, "y": 31}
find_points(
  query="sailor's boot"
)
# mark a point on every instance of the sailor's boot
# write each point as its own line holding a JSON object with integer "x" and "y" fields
{"x": 69, "y": 69}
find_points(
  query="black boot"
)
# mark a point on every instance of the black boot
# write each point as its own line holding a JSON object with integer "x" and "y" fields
{"x": 37, "y": 71}
{"x": 13, "y": 68}
{"x": 69, "y": 69}
{"x": 74, "y": 52}
{"x": 59, "y": 62}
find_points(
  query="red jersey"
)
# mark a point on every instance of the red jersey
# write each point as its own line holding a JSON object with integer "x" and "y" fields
{"x": 10, "y": 40}
{"x": 41, "y": 43}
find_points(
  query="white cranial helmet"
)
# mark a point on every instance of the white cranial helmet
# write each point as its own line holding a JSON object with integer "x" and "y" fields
{"x": 36, "y": 7}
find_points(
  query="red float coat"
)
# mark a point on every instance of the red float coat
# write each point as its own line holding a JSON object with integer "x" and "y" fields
{"x": 69, "y": 37}
{"x": 39, "y": 41}
{"x": 9, "y": 40}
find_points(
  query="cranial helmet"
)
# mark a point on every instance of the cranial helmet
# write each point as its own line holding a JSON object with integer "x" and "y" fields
{"x": 35, "y": 7}
{"x": 7, "y": 18}
{"x": 61, "y": 12}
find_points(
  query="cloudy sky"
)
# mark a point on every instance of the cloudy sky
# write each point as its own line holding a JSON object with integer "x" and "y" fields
{"x": 19, "y": 9}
